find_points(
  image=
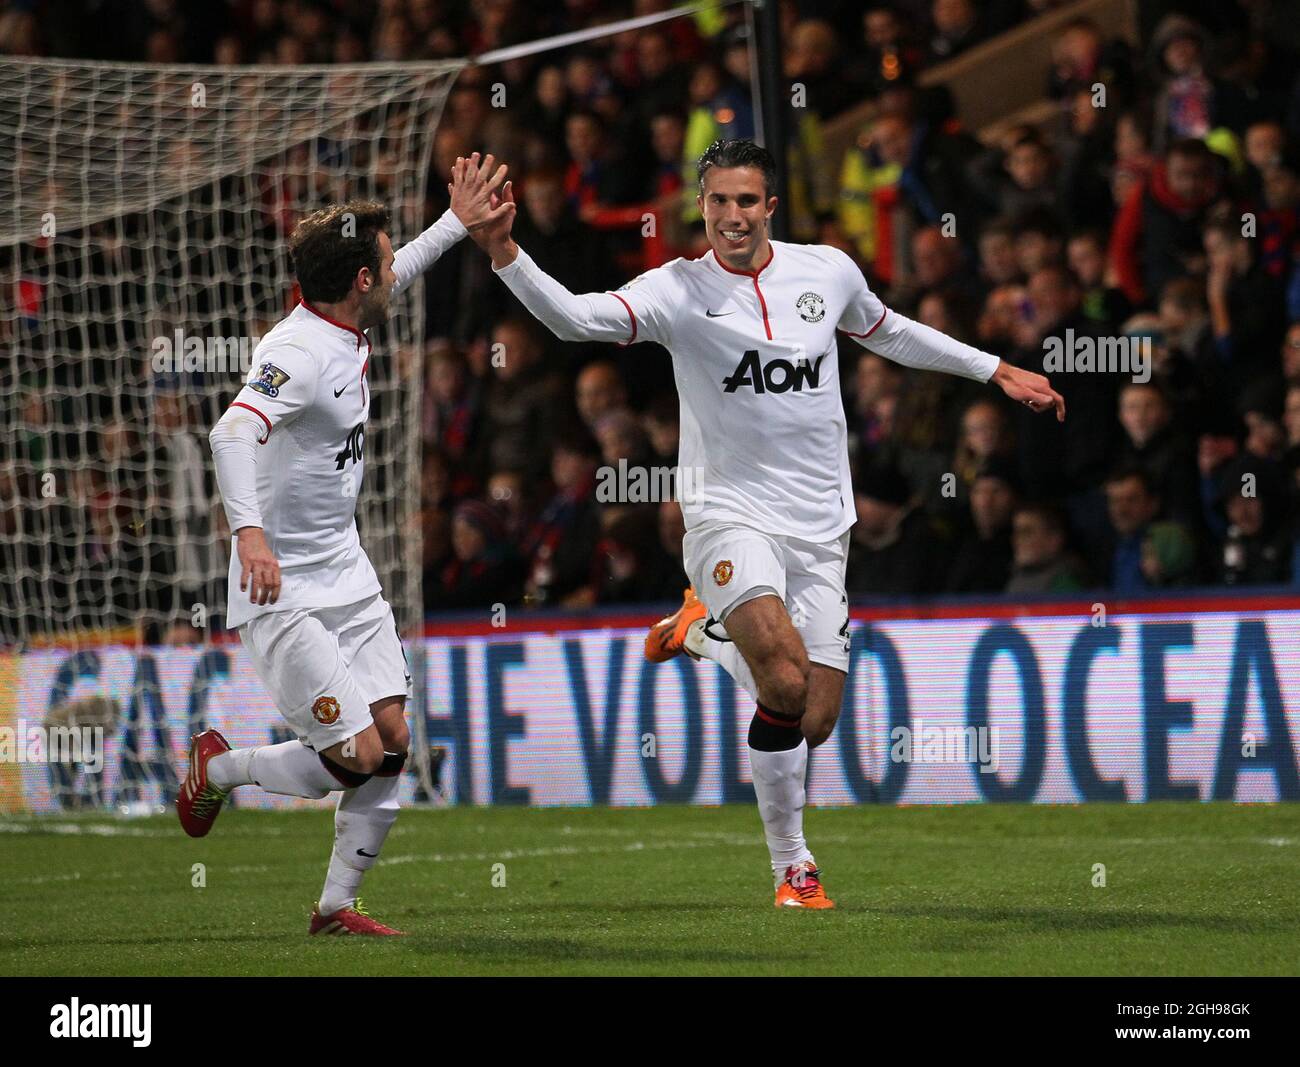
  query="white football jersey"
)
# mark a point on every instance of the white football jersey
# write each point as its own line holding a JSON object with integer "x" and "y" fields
{"x": 308, "y": 387}
{"x": 764, "y": 439}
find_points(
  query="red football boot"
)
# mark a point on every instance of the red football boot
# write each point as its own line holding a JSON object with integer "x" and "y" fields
{"x": 198, "y": 803}
{"x": 353, "y": 920}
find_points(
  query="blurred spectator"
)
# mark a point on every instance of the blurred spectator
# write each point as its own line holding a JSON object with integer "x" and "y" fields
{"x": 621, "y": 437}
{"x": 957, "y": 27}
{"x": 482, "y": 571}
{"x": 878, "y": 384}
{"x": 1064, "y": 459}
{"x": 869, "y": 193}
{"x": 1257, "y": 546}
{"x": 1041, "y": 563}
{"x": 662, "y": 427}
{"x": 985, "y": 443}
{"x": 1189, "y": 103}
{"x": 1157, "y": 233}
{"x": 811, "y": 60}
{"x": 982, "y": 562}
{"x": 630, "y": 561}
{"x": 548, "y": 227}
{"x": 520, "y": 400}
{"x": 1132, "y": 505}
{"x": 1083, "y": 58}
{"x": 453, "y": 418}
{"x": 562, "y": 542}
{"x": 1107, "y": 307}
{"x": 893, "y": 547}
{"x": 997, "y": 251}
{"x": 1168, "y": 555}
{"x": 1020, "y": 176}
{"x": 1005, "y": 308}
{"x": 1245, "y": 302}
{"x": 1152, "y": 443}
{"x": 599, "y": 392}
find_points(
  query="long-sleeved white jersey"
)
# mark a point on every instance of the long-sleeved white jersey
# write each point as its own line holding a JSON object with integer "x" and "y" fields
{"x": 764, "y": 439}
{"x": 290, "y": 450}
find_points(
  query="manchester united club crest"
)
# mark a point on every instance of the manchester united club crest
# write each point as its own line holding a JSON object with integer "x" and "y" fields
{"x": 723, "y": 571}
{"x": 325, "y": 711}
{"x": 811, "y": 307}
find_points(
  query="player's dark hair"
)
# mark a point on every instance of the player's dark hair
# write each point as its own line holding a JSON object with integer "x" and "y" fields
{"x": 738, "y": 153}
{"x": 329, "y": 246}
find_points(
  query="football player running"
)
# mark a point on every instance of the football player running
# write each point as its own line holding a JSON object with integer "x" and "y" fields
{"x": 751, "y": 327}
{"x": 289, "y": 456}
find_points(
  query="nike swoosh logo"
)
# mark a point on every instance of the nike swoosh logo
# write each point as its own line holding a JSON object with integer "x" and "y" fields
{"x": 339, "y": 392}
{"x": 717, "y": 314}
{"x": 368, "y": 855}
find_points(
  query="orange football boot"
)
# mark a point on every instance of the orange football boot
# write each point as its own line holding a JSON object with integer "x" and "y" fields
{"x": 802, "y": 888}
{"x": 667, "y": 637}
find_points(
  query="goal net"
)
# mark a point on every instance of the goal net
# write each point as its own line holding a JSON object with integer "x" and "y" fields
{"x": 143, "y": 217}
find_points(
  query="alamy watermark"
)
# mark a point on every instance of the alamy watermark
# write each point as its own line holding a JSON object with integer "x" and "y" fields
{"x": 920, "y": 743}
{"x": 624, "y": 484}
{"x": 78, "y": 1020}
{"x": 212, "y": 355}
{"x": 38, "y": 743}
{"x": 1104, "y": 355}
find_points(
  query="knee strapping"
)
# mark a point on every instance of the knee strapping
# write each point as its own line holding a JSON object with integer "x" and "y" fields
{"x": 348, "y": 779}
{"x": 392, "y": 765}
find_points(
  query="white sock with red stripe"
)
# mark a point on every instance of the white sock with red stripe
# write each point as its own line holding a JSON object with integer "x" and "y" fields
{"x": 724, "y": 653}
{"x": 289, "y": 768}
{"x": 361, "y": 823}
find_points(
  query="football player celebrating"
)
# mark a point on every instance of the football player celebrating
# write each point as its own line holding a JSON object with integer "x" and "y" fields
{"x": 751, "y": 330}
{"x": 289, "y": 456}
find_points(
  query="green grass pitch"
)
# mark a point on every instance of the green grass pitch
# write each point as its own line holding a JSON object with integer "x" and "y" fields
{"x": 1191, "y": 889}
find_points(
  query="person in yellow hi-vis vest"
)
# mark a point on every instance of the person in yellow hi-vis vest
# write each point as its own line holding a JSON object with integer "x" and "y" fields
{"x": 863, "y": 209}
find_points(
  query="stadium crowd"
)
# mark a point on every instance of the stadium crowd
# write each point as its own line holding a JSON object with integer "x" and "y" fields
{"x": 1166, "y": 219}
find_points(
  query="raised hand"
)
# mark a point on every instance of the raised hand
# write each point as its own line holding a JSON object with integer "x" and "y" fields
{"x": 475, "y": 197}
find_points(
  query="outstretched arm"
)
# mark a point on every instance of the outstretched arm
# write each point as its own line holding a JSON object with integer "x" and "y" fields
{"x": 571, "y": 317}
{"x": 914, "y": 344}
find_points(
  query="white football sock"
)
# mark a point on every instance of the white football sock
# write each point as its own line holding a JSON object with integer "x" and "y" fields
{"x": 779, "y": 785}
{"x": 230, "y": 769}
{"x": 289, "y": 768}
{"x": 361, "y": 822}
{"x": 724, "y": 653}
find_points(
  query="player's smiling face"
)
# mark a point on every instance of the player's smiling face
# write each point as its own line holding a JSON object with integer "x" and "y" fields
{"x": 736, "y": 211}
{"x": 376, "y": 301}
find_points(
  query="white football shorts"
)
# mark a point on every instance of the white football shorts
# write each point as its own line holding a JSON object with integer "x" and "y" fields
{"x": 324, "y": 667}
{"x": 729, "y": 563}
